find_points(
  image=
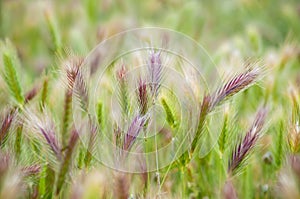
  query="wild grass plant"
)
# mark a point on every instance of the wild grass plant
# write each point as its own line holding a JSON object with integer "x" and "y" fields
{"x": 70, "y": 129}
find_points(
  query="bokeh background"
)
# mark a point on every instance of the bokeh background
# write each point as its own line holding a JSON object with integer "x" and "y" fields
{"x": 232, "y": 31}
{"x": 81, "y": 25}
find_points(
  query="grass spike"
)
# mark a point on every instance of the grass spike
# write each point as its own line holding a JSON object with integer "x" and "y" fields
{"x": 223, "y": 136}
{"x": 11, "y": 78}
{"x": 169, "y": 115}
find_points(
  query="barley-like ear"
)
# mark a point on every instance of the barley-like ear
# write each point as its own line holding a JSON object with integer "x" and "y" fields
{"x": 235, "y": 85}
{"x": 232, "y": 87}
{"x": 133, "y": 131}
{"x": 223, "y": 136}
{"x": 242, "y": 150}
{"x": 76, "y": 83}
{"x": 45, "y": 129}
{"x": 6, "y": 123}
{"x": 205, "y": 108}
{"x": 155, "y": 69}
{"x": 142, "y": 96}
{"x": 169, "y": 114}
{"x": 11, "y": 78}
{"x": 123, "y": 90}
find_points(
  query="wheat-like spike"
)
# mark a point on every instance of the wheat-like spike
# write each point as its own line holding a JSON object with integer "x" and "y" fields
{"x": 44, "y": 126}
{"x": 223, "y": 136}
{"x": 205, "y": 108}
{"x": 142, "y": 96}
{"x": 72, "y": 68}
{"x": 49, "y": 135}
{"x": 243, "y": 149}
{"x": 6, "y": 124}
{"x": 235, "y": 85}
{"x": 11, "y": 78}
{"x": 232, "y": 87}
{"x": 133, "y": 131}
{"x": 81, "y": 91}
{"x": 169, "y": 114}
{"x": 155, "y": 69}
{"x": 123, "y": 92}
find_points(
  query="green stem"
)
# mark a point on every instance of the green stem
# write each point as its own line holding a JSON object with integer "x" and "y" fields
{"x": 183, "y": 181}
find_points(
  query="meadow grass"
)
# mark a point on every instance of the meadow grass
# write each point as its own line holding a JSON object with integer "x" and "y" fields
{"x": 246, "y": 140}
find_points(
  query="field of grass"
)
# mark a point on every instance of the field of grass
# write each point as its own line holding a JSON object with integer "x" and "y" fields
{"x": 149, "y": 99}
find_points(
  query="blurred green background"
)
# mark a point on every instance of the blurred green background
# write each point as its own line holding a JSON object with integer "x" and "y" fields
{"x": 232, "y": 31}
{"x": 38, "y": 28}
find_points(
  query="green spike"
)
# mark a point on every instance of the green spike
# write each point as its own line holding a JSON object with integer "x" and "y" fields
{"x": 11, "y": 78}
{"x": 169, "y": 115}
